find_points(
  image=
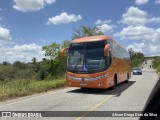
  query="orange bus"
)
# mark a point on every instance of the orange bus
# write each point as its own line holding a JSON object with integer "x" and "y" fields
{"x": 96, "y": 62}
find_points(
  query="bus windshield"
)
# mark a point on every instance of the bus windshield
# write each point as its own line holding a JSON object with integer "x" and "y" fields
{"x": 86, "y": 57}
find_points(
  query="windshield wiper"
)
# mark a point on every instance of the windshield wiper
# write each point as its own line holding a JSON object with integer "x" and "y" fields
{"x": 75, "y": 67}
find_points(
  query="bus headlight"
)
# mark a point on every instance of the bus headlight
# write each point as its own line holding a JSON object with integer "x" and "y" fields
{"x": 101, "y": 77}
{"x": 74, "y": 78}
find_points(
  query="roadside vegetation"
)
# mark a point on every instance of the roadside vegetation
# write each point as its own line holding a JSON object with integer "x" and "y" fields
{"x": 156, "y": 64}
{"x": 20, "y": 79}
{"x": 23, "y": 87}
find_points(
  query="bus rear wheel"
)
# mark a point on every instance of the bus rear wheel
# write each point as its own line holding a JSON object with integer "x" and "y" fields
{"x": 115, "y": 83}
{"x": 127, "y": 78}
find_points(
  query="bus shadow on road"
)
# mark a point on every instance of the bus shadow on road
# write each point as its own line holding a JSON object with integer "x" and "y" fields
{"x": 118, "y": 90}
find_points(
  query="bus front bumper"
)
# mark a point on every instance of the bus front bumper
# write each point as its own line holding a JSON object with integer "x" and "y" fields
{"x": 100, "y": 84}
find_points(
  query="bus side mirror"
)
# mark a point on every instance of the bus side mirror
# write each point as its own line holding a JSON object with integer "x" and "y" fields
{"x": 62, "y": 52}
{"x": 106, "y": 50}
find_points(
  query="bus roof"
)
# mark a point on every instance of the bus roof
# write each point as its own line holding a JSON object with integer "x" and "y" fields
{"x": 91, "y": 39}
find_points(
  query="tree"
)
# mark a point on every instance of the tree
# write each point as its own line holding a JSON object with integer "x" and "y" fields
{"x": 131, "y": 52}
{"x": 5, "y": 63}
{"x": 65, "y": 44}
{"x": 19, "y": 64}
{"x": 52, "y": 50}
{"x": 34, "y": 60}
{"x": 137, "y": 58}
{"x": 85, "y": 31}
{"x": 44, "y": 59}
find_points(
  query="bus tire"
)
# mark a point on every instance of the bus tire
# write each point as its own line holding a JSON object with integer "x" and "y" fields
{"x": 115, "y": 83}
{"x": 126, "y": 81}
{"x": 127, "y": 78}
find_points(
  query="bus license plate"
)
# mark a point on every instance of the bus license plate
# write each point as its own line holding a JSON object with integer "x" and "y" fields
{"x": 83, "y": 84}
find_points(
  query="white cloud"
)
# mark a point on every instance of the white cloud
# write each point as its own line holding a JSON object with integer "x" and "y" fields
{"x": 5, "y": 38}
{"x": 154, "y": 20}
{"x": 31, "y": 5}
{"x": 50, "y": 1}
{"x": 141, "y": 2}
{"x": 134, "y": 16}
{"x": 157, "y": 1}
{"x": 27, "y": 48}
{"x": 64, "y": 18}
{"x": 102, "y": 22}
{"x": 43, "y": 40}
{"x": 22, "y": 53}
{"x": 135, "y": 32}
{"x": 4, "y": 34}
{"x": 105, "y": 27}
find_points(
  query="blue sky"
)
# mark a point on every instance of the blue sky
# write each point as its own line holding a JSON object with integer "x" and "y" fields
{"x": 27, "y": 25}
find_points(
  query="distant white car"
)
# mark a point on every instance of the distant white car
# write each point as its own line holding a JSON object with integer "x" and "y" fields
{"x": 137, "y": 71}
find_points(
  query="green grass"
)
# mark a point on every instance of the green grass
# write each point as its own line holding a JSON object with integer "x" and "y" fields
{"x": 25, "y": 87}
{"x": 156, "y": 64}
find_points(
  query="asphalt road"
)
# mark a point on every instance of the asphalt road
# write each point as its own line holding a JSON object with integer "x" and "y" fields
{"x": 130, "y": 96}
